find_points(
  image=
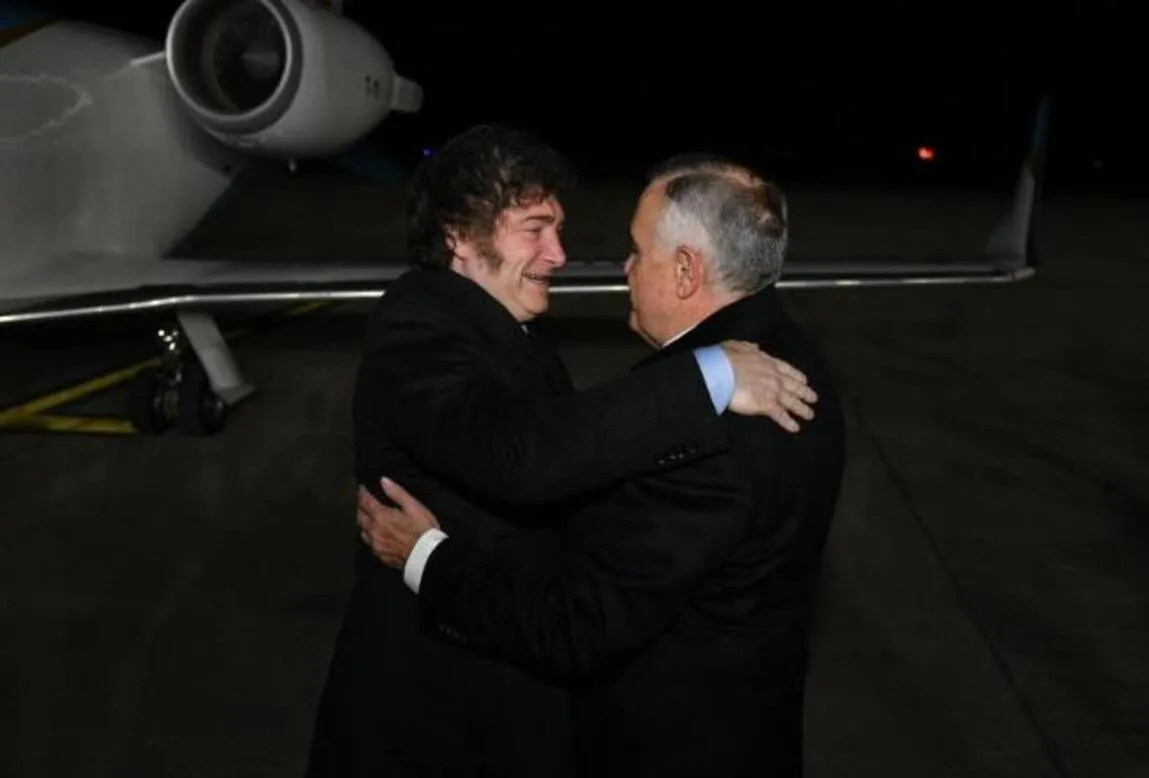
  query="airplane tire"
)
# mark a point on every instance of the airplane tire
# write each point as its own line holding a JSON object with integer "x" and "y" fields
{"x": 146, "y": 402}
{"x": 201, "y": 410}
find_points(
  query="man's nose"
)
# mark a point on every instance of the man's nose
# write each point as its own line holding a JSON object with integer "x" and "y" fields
{"x": 628, "y": 264}
{"x": 555, "y": 254}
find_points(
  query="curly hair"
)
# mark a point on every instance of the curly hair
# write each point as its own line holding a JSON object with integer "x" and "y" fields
{"x": 464, "y": 187}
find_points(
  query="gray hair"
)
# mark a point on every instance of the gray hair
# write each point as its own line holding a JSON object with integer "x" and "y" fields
{"x": 731, "y": 215}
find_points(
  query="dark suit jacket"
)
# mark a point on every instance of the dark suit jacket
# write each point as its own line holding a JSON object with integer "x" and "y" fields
{"x": 458, "y": 404}
{"x": 679, "y": 605}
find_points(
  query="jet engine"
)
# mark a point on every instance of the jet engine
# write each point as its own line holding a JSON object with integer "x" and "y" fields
{"x": 282, "y": 77}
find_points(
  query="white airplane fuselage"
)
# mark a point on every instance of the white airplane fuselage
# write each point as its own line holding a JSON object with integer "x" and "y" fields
{"x": 114, "y": 147}
{"x": 97, "y": 154}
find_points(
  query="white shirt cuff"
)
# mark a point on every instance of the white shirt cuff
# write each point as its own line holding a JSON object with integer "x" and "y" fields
{"x": 413, "y": 570}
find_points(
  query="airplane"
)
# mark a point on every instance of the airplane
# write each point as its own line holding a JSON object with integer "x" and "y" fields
{"x": 112, "y": 150}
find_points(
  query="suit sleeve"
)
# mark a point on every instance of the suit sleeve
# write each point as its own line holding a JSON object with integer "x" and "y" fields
{"x": 460, "y": 417}
{"x": 614, "y": 589}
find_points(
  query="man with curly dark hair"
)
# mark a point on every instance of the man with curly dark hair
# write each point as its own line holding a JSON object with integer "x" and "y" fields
{"x": 460, "y": 401}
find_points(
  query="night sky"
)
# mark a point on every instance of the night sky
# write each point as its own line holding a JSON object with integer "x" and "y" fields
{"x": 821, "y": 89}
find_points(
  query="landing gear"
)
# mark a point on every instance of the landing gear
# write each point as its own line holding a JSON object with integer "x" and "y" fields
{"x": 179, "y": 396}
{"x": 192, "y": 388}
{"x": 201, "y": 410}
{"x": 150, "y": 405}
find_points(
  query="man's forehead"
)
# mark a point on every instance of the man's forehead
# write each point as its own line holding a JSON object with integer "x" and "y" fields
{"x": 648, "y": 206}
{"x": 546, "y": 210}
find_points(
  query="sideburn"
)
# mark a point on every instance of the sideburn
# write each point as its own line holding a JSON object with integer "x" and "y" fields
{"x": 489, "y": 254}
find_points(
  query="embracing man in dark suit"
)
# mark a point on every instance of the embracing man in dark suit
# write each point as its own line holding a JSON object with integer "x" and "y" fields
{"x": 460, "y": 400}
{"x": 674, "y": 603}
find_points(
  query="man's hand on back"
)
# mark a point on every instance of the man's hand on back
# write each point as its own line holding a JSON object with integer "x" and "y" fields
{"x": 765, "y": 386}
{"x": 393, "y": 532}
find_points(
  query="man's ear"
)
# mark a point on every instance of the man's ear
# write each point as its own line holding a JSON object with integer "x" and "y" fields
{"x": 688, "y": 271}
{"x": 451, "y": 238}
{"x": 460, "y": 249}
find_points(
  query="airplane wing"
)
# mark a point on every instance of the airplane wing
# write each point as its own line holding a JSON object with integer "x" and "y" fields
{"x": 86, "y": 284}
{"x": 83, "y": 285}
{"x": 77, "y": 284}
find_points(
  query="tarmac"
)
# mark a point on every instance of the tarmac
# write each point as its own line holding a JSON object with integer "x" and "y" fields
{"x": 168, "y": 605}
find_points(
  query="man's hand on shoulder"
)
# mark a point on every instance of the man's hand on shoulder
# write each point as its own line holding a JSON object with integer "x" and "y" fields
{"x": 765, "y": 386}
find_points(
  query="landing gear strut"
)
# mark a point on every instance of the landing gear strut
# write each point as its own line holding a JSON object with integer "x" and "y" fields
{"x": 193, "y": 386}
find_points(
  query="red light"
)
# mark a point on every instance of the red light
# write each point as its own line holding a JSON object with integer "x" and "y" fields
{"x": 925, "y": 153}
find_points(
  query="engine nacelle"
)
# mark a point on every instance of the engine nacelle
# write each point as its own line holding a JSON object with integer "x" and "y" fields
{"x": 282, "y": 77}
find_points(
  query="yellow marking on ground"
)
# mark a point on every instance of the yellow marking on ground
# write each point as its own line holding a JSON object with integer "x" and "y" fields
{"x": 314, "y": 305}
{"x": 30, "y": 415}
{"x": 72, "y": 393}
{"x": 52, "y": 423}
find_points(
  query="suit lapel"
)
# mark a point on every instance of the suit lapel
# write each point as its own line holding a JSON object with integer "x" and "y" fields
{"x": 465, "y": 308}
{"x": 553, "y": 368}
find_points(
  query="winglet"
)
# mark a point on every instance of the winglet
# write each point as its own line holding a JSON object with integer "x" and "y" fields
{"x": 406, "y": 95}
{"x": 1012, "y": 243}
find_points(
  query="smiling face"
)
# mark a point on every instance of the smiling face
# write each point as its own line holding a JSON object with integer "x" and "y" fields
{"x": 516, "y": 263}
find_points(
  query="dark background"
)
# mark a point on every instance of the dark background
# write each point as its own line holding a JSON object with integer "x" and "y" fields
{"x": 835, "y": 92}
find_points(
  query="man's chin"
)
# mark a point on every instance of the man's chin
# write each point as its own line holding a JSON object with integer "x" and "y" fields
{"x": 632, "y": 322}
{"x": 538, "y": 308}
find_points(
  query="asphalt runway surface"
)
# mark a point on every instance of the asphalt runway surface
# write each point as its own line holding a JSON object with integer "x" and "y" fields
{"x": 168, "y": 604}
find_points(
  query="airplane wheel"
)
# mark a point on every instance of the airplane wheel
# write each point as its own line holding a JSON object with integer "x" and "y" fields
{"x": 201, "y": 410}
{"x": 148, "y": 403}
